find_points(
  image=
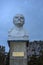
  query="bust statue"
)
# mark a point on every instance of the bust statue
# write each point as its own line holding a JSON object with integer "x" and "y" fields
{"x": 18, "y": 33}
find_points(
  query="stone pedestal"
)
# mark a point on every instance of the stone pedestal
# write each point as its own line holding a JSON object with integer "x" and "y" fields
{"x": 18, "y": 52}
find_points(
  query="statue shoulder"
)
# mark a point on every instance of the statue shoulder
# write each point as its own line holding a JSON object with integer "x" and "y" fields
{"x": 12, "y": 29}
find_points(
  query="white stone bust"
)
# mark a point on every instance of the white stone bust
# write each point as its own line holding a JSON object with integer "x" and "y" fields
{"x": 18, "y": 33}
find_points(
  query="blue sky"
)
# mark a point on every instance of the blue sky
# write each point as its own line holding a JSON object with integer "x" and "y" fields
{"x": 33, "y": 13}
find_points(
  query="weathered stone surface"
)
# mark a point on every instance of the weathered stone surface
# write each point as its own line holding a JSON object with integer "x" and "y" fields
{"x": 18, "y": 47}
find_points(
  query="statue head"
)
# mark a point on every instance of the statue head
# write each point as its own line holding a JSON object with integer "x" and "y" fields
{"x": 18, "y": 20}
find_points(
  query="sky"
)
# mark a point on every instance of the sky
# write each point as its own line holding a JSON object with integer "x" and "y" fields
{"x": 33, "y": 13}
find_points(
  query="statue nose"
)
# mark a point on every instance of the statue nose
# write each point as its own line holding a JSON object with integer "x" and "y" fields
{"x": 18, "y": 21}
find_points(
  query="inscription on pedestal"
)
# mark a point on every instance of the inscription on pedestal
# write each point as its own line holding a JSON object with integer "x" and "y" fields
{"x": 18, "y": 54}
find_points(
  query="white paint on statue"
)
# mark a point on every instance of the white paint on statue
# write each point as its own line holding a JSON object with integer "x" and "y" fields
{"x": 18, "y": 33}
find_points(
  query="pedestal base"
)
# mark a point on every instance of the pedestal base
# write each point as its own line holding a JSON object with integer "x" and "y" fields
{"x": 18, "y": 61}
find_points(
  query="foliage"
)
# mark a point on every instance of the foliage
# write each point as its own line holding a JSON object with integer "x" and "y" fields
{"x": 36, "y": 60}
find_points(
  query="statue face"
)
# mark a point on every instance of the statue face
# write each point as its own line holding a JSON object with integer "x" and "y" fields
{"x": 18, "y": 20}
